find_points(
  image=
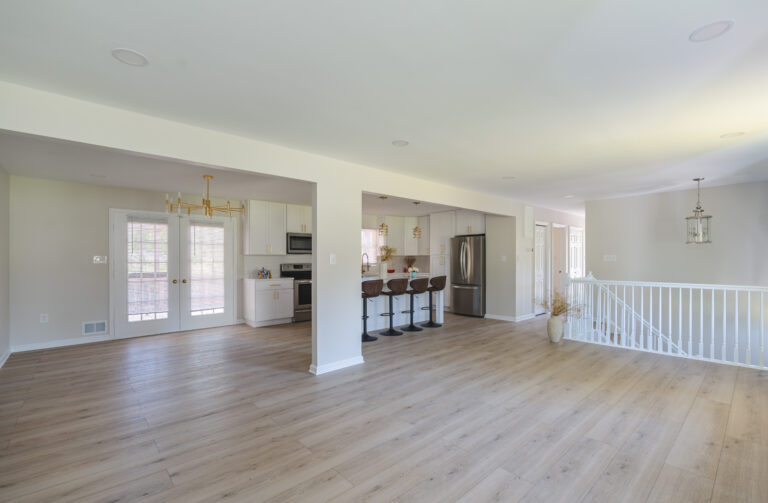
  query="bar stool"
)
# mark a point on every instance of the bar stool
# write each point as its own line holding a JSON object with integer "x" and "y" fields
{"x": 417, "y": 286}
{"x": 436, "y": 284}
{"x": 396, "y": 287}
{"x": 371, "y": 289}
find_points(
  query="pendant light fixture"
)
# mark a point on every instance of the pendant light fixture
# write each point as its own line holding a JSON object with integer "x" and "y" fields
{"x": 383, "y": 229}
{"x": 206, "y": 206}
{"x": 698, "y": 225}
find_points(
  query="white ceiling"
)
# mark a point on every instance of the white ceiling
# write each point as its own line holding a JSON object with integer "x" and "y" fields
{"x": 592, "y": 99}
{"x": 38, "y": 157}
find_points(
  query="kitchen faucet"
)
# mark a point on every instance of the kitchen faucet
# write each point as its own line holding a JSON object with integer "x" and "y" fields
{"x": 366, "y": 263}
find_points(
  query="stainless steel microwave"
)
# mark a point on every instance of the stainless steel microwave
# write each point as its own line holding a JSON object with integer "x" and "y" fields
{"x": 299, "y": 243}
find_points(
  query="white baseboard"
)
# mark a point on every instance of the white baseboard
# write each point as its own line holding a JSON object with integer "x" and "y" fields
{"x": 330, "y": 367}
{"x": 257, "y": 324}
{"x": 515, "y": 319}
{"x": 61, "y": 343}
{"x": 4, "y": 358}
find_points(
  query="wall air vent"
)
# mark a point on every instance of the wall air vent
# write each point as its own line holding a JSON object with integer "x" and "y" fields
{"x": 94, "y": 328}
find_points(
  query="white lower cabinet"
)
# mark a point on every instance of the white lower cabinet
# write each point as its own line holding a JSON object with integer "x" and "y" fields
{"x": 380, "y": 304}
{"x": 267, "y": 301}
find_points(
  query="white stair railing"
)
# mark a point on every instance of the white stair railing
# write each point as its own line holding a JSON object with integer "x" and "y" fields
{"x": 721, "y": 323}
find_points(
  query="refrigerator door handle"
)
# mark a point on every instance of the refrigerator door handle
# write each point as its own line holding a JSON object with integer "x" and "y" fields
{"x": 462, "y": 260}
{"x": 465, "y": 287}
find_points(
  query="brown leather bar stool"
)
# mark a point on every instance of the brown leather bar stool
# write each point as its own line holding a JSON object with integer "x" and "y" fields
{"x": 371, "y": 289}
{"x": 417, "y": 286}
{"x": 436, "y": 284}
{"x": 396, "y": 287}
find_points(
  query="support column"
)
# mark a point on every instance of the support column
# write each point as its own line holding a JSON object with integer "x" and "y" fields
{"x": 337, "y": 220}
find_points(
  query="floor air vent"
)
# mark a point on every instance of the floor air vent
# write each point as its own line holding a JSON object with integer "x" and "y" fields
{"x": 94, "y": 327}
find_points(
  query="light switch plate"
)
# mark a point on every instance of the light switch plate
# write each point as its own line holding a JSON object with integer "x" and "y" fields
{"x": 609, "y": 258}
{"x": 333, "y": 259}
{"x": 99, "y": 259}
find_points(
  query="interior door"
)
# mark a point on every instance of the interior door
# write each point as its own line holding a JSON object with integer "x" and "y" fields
{"x": 207, "y": 272}
{"x": 145, "y": 273}
{"x": 540, "y": 269}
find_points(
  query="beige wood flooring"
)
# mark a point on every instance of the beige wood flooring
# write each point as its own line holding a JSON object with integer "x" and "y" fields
{"x": 476, "y": 411}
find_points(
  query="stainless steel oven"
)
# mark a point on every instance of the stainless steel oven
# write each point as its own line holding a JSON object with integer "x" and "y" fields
{"x": 302, "y": 289}
{"x": 298, "y": 243}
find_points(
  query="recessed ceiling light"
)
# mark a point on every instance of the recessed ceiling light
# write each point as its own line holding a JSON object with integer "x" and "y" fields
{"x": 569, "y": 196}
{"x": 383, "y": 197}
{"x": 95, "y": 175}
{"x": 710, "y": 31}
{"x": 735, "y": 134}
{"x": 508, "y": 177}
{"x": 401, "y": 143}
{"x": 130, "y": 57}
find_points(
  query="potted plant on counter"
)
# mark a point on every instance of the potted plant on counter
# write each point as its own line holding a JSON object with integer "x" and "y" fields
{"x": 559, "y": 310}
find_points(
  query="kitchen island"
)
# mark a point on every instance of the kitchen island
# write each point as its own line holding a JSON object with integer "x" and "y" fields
{"x": 379, "y": 305}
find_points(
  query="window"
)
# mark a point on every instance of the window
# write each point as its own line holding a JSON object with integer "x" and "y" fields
{"x": 206, "y": 261}
{"x": 147, "y": 270}
{"x": 576, "y": 252}
{"x": 370, "y": 245}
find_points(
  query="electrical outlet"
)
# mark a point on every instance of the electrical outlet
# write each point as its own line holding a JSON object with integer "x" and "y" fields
{"x": 609, "y": 258}
{"x": 44, "y": 318}
{"x": 99, "y": 259}
{"x": 333, "y": 259}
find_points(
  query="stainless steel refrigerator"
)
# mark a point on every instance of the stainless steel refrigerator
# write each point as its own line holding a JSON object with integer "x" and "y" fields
{"x": 468, "y": 275}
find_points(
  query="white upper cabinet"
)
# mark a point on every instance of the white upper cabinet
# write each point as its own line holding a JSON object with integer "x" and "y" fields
{"x": 411, "y": 243}
{"x": 298, "y": 218}
{"x": 442, "y": 227}
{"x": 423, "y": 246}
{"x": 469, "y": 222}
{"x": 395, "y": 234}
{"x": 264, "y": 228}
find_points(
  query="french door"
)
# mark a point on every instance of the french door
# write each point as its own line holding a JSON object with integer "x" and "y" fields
{"x": 170, "y": 272}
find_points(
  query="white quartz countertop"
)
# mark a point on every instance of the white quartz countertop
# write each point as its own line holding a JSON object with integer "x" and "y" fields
{"x": 395, "y": 275}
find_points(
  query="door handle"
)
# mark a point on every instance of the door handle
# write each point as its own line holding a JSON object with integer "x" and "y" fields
{"x": 184, "y": 281}
{"x": 175, "y": 281}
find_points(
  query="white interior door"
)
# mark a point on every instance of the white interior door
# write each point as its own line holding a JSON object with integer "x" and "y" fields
{"x": 170, "y": 272}
{"x": 207, "y": 272}
{"x": 540, "y": 269}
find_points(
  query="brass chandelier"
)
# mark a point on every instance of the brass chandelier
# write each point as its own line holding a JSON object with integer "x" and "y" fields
{"x": 206, "y": 206}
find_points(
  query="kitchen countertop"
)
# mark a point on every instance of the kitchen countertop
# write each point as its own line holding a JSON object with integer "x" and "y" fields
{"x": 395, "y": 275}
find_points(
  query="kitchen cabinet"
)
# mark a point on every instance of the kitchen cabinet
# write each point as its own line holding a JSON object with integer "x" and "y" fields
{"x": 267, "y": 301}
{"x": 423, "y": 242}
{"x": 264, "y": 228}
{"x": 469, "y": 222}
{"x": 395, "y": 234}
{"x": 411, "y": 243}
{"x": 298, "y": 218}
{"x": 440, "y": 265}
{"x": 442, "y": 227}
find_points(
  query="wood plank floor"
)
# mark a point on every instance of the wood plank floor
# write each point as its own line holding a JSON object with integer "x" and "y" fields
{"x": 476, "y": 411}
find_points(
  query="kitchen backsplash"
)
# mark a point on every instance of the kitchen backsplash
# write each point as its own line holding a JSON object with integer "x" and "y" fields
{"x": 397, "y": 262}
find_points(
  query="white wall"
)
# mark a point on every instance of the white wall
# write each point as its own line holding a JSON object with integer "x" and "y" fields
{"x": 5, "y": 340}
{"x": 647, "y": 235}
{"x": 56, "y": 228}
{"x": 337, "y": 200}
{"x": 500, "y": 273}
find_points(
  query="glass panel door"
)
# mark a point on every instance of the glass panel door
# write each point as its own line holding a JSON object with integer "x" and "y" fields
{"x": 207, "y": 271}
{"x": 146, "y": 262}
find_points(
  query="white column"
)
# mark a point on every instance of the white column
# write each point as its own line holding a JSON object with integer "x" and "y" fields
{"x": 336, "y": 303}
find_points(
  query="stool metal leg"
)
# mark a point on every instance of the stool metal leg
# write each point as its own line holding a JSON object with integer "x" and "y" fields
{"x": 391, "y": 315}
{"x": 366, "y": 336}
{"x": 412, "y": 327}
{"x": 431, "y": 323}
